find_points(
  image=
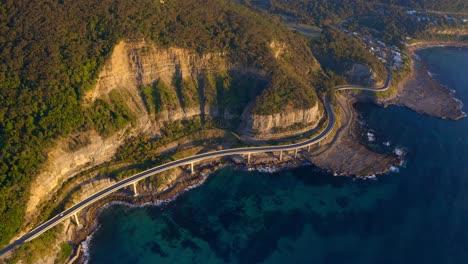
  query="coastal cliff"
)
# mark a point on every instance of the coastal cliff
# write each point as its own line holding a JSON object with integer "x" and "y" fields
{"x": 161, "y": 86}
{"x": 263, "y": 125}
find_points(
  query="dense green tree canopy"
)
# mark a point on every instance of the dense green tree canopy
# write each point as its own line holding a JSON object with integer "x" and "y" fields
{"x": 337, "y": 51}
{"x": 51, "y": 52}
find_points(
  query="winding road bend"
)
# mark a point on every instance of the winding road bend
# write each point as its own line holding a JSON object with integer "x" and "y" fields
{"x": 189, "y": 161}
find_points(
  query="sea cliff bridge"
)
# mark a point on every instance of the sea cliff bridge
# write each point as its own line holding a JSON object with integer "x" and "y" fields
{"x": 191, "y": 161}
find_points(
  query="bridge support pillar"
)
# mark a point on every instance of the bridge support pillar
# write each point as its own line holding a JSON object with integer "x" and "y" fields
{"x": 135, "y": 191}
{"x": 191, "y": 168}
{"x": 248, "y": 158}
{"x": 281, "y": 155}
{"x": 308, "y": 148}
{"x": 77, "y": 221}
{"x": 295, "y": 153}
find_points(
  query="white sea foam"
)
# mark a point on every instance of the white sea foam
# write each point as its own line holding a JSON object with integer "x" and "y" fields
{"x": 85, "y": 246}
{"x": 431, "y": 74}
{"x": 272, "y": 169}
{"x": 370, "y": 137}
{"x": 386, "y": 143}
{"x": 460, "y": 105}
{"x": 399, "y": 151}
{"x": 368, "y": 177}
{"x": 394, "y": 169}
{"x": 402, "y": 163}
{"x": 452, "y": 93}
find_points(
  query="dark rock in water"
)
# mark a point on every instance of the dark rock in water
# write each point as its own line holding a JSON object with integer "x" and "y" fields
{"x": 156, "y": 249}
{"x": 190, "y": 244}
{"x": 343, "y": 202}
{"x": 171, "y": 233}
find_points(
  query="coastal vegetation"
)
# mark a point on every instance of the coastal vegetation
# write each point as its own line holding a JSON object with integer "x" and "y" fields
{"x": 398, "y": 76}
{"x": 53, "y": 51}
{"x": 337, "y": 52}
{"x": 389, "y": 20}
{"x": 397, "y": 24}
{"x": 39, "y": 248}
{"x": 109, "y": 116}
{"x": 434, "y": 5}
{"x": 320, "y": 12}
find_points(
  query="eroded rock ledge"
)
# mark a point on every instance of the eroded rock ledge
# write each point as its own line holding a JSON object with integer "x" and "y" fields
{"x": 135, "y": 65}
{"x": 421, "y": 93}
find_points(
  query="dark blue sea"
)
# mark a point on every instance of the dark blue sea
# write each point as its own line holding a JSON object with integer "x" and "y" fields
{"x": 418, "y": 215}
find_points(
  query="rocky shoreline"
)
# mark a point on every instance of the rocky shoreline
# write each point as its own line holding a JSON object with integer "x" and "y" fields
{"x": 184, "y": 182}
{"x": 346, "y": 154}
{"x": 341, "y": 154}
{"x": 421, "y": 92}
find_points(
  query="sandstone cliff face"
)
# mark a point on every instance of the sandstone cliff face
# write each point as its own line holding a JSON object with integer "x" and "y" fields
{"x": 136, "y": 64}
{"x": 132, "y": 66}
{"x": 64, "y": 164}
{"x": 265, "y": 125}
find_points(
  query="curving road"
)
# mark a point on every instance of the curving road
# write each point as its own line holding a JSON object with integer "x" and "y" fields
{"x": 373, "y": 89}
{"x": 190, "y": 160}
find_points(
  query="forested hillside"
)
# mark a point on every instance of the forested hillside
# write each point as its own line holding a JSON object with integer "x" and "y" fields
{"x": 391, "y": 16}
{"x": 433, "y": 5}
{"x": 320, "y": 12}
{"x": 393, "y": 21}
{"x": 337, "y": 52}
{"x": 52, "y": 51}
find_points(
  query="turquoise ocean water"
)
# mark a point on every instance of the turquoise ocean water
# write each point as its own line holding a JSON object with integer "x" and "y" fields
{"x": 419, "y": 215}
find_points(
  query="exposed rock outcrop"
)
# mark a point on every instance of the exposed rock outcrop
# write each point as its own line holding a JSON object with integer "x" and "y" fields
{"x": 135, "y": 65}
{"x": 132, "y": 65}
{"x": 266, "y": 125}
{"x": 361, "y": 74}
